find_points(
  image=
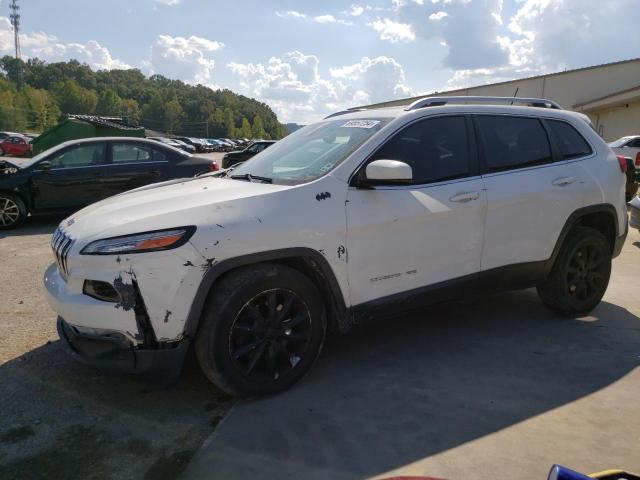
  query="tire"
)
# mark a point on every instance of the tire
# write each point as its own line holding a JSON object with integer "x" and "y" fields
{"x": 237, "y": 349}
{"x": 12, "y": 211}
{"x": 580, "y": 275}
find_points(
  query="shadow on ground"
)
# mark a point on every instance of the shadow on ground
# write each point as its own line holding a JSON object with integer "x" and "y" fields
{"x": 406, "y": 389}
{"x": 64, "y": 420}
{"x": 34, "y": 226}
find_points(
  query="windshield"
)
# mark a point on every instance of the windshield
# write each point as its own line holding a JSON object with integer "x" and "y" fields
{"x": 620, "y": 142}
{"x": 310, "y": 152}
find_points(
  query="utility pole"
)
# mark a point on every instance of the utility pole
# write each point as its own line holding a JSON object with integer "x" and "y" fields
{"x": 15, "y": 22}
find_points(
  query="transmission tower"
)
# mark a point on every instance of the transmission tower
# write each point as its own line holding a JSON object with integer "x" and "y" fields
{"x": 15, "y": 22}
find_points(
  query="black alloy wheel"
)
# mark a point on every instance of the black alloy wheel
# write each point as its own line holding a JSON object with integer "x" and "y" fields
{"x": 270, "y": 335}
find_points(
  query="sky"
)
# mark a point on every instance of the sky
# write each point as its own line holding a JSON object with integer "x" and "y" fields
{"x": 307, "y": 58}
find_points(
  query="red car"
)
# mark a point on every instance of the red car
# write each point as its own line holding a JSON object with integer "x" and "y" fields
{"x": 16, "y": 145}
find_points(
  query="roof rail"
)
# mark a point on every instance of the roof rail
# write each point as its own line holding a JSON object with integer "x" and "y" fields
{"x": 439, "y": 101}
{"x": 344, "y": 112}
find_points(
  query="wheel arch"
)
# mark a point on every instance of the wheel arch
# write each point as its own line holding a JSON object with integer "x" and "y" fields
{"x": 601, "y": 217}
{"x": 20, "y": 195}
{"x": 306, "y": 260}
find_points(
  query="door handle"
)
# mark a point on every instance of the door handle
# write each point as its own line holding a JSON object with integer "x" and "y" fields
{"x": 563, "y": 181}
{"x": 465, "y": 197}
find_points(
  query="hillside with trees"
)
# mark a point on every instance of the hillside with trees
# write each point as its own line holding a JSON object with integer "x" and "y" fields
{"x": 34, "y": 95}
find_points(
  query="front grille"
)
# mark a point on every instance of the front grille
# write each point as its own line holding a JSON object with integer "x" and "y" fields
{"x": 61, "y": 244}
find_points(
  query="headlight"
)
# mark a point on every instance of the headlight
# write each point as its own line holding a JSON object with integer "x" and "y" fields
{"x": 141, "y": 242}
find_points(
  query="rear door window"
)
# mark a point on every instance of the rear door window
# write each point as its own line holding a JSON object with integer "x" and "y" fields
{"x": 436, "y": 149}
{"x": 127, "y": 152}
{"x": 513, "y": 142}
{"x": 570, "y": 143}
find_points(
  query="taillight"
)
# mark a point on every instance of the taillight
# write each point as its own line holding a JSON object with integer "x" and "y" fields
{"x": 623, "y": 163}
{"x": 638, "y": 159}
{"x": 214, "y": 167}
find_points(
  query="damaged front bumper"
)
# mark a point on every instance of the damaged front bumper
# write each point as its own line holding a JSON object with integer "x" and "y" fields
{"x": 113, "y": 351}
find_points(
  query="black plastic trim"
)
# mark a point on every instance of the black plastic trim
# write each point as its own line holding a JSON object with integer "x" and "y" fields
{"x": 217, "y": 270}
{"x": 117, "y": 353}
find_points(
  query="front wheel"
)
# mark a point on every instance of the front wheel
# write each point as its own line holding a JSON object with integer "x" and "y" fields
{"x": 262, "y": 329}
{"x": 580, "y": 275}
{"x": 12, "y": 211}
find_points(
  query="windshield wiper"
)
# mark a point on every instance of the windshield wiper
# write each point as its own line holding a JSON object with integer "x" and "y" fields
{"x": 249, "y": 177}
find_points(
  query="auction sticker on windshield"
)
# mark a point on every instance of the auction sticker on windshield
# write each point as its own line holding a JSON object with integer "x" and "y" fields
{"x": 361, "y": 123}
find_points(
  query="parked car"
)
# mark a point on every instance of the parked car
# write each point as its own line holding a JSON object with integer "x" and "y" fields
{"x": 16, "y": 145}
{"x": 185, "y": 146}
{"x": 631, "y": 187}
{"x": 364, "y": 214}
{"x": 634, "y": 213}
{"x": 174, "y": 143}
{"x": 191, "y": 141}
{"x": 4, "y": 135}
{"x": 77, "y": 173}
{"x": 628, "y": 147}
{"x": 234, "y": 158}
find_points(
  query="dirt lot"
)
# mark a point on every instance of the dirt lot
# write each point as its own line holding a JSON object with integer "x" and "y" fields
{"x": 63, "y": 420}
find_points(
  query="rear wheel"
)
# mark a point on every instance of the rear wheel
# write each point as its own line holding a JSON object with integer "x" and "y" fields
{"x": 580, "y": 275}
{"x": 262, "y": 330}
{"x": 12, "y": 211}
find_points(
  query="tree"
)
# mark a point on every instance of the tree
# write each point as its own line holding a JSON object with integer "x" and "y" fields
{"x": 245, "y": 129}
{"x": 109, "y": 103}
{"x": 155, "y": 102}
{"x": 229, "y": 124}
{"x": 257, "y": 129}
{"x": 130, "y": 111}
{"x": 74, "y": 99}
{"x": 173, "y": 115}
{"x": 42, "y": 110}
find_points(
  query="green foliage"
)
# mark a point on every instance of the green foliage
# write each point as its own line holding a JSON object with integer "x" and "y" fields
{"x": 72, "y": 98}
{"x": 49, "y": 90}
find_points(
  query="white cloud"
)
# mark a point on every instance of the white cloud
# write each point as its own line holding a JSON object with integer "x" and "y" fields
{"x": 438, "y": 15}
{"x": 292, "y": 14}
{"x": 168, "y": 2}
{"x": 48, "y": 47}
{"x": 293, "y": 86}
{"x": 184, "y": 58}
{"x": 468, "y": 28}
{"x": 356, "y": 10}
{"x": 328, "y": 18}
{"x": 393, "y": 31}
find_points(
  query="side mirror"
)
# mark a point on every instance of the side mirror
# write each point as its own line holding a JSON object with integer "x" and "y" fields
{"x": 389, "y": 172}
{"x": 44, "y": 165}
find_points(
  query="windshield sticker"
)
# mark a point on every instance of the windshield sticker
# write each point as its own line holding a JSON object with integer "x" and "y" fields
{"x": 361, "y": 124}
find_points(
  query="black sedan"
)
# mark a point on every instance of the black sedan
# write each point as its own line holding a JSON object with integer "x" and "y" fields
{"x": 233, "y": 158}
{"x": 80, "y": 172}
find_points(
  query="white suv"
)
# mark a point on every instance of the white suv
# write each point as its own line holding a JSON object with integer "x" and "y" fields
{"x": 363, "y": 214}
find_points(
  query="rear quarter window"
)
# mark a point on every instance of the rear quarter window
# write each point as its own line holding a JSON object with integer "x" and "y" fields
{"x": 570, "y": 142}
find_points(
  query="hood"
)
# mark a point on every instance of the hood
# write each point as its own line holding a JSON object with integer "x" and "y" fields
{"x": 158, "y": 206}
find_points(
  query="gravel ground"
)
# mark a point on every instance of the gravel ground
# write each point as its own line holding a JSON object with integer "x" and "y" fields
{"x": 64, "y": 420}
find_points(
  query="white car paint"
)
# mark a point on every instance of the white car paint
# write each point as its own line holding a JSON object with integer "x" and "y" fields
{"x": 376, "y": 242}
